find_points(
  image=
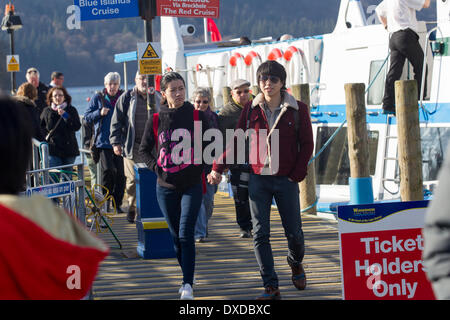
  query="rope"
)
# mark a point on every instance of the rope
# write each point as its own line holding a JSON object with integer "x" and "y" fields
{"x": 345, "y": 121}
{"x": 338, "y": 130}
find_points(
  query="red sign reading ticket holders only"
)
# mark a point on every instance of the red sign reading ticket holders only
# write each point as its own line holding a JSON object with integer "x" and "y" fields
{"x": 188, "y": 8}
{"x": 381, "y": 249}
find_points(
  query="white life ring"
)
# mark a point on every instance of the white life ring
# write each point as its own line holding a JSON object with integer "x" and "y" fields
{"x": 252, "y": 61}
{"x": 296, "y": 69}
{"x": 236, "y": 67}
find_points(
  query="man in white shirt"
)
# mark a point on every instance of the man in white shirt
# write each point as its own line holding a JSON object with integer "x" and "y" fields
{"x": 399, "y": 19}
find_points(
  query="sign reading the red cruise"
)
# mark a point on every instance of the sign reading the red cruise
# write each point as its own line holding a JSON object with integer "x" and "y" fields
{"x": 381, "y": 251}
{"x": 188, "y": 8}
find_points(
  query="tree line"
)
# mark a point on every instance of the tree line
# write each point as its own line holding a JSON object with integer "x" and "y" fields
{"x": 86, "y": 55}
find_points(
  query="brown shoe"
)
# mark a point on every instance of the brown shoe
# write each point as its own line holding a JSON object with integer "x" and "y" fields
{"x": 270, "y": 293}
{"x": 298, "y": 276}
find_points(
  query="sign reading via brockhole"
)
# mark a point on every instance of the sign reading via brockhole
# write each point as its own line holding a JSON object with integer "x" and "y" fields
{"x": 188, "y": 8}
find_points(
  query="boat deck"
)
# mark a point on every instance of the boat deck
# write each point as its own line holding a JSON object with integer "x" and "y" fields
{"x": 226, "y": 266}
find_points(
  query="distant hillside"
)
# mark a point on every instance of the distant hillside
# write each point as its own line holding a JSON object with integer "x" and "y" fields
{"x": 86, "y": 55}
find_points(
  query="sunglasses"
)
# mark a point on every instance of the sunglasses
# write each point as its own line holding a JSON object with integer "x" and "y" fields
{"x": 200, "y": 101}
{"x": 273, "y": 79}
{"x": 239, "y": 92}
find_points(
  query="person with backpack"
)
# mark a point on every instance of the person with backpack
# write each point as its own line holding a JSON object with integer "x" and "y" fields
{"x": 180, "y": 184}
{"x": 127, "y": 127}
{"x": 276, "y": 170}
{"x": 99, "y": 112}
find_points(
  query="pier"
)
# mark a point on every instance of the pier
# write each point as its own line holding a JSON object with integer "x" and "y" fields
{"x": 226, "y": 267}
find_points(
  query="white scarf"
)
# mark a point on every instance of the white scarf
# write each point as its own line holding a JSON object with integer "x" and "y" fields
{"x": 61, "y": 106}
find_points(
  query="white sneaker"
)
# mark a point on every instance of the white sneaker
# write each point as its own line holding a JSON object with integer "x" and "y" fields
{"x": 186, "y": 292}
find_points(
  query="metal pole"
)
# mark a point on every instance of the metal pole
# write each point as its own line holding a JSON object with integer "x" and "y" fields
{"x": 13, "y": 74}
{"x": 151, "y": 106}
{"x": 205, "y": 29}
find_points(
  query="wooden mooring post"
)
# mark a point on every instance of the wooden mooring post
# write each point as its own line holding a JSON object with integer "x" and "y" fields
{"x": 226, "y": 95}
{"x": 308, "y": 185}
{"x": 360, "y": 182}
{"x": 409, "y": 148}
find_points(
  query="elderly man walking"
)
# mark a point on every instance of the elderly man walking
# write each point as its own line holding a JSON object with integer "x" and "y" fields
{"x": 127, "y": 127}
{"x": 99, "y": 112}
{"x": 239, "y": 173}
{"x": 33, "y": 77}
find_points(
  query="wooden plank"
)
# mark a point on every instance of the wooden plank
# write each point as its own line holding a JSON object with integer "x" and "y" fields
{"x": 226, "y": 266}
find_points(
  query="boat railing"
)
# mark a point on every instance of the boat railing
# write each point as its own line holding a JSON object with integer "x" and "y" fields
{"x": 437, "y": 50}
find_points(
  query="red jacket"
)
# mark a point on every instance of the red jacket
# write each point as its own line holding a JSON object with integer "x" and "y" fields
{"x": 45, "y": 254}
{"x": 295, "y": 143}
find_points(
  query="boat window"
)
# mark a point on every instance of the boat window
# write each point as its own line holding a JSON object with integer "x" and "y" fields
{"x": 333, "y": 165}
{"x": 434, "y": 144}
{"x": 376, "y": 82}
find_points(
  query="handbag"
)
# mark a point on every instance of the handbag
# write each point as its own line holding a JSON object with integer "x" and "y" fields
{"x": 49, "y": 134}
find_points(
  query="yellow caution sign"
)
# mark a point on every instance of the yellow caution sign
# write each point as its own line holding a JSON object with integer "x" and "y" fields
{"x": 147, "y": 67}
{"x": 12, "y": 63}
{"x": 149, "y": 54}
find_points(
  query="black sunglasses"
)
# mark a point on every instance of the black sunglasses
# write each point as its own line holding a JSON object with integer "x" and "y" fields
{"x": 200, "y": 101}
{"x": 273, "y": 79}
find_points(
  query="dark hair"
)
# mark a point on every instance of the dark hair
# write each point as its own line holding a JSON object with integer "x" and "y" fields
{"x": 67, "y": 97}
{"x": 56, "y": 74}
{"x": 15, "y": 144}
{"x": 166, "y": 79}
{"x": 272, "y": 68}
{"x": 244, "y": 41}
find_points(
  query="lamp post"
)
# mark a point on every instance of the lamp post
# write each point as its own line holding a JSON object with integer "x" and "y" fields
{"x": 10, "y": 23}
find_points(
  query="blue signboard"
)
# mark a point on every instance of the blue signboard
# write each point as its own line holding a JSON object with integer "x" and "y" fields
{"x": 53, "y": 190}
{"x": 107, "y": 9}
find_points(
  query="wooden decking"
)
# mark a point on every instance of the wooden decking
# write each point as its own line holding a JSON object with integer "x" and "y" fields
{"x": 226, "y": 267}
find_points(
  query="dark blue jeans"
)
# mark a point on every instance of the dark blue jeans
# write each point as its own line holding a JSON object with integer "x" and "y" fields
{"x": 180, "y": 208}
{"x": 262, "y": 189}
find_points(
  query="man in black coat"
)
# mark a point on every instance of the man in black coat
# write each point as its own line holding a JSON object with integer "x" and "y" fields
{"x": 33, "y": 78}
{"x": 228, "y": 118}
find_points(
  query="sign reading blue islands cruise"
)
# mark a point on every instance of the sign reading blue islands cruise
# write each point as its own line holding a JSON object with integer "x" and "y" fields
{"x": 107, "y": 9}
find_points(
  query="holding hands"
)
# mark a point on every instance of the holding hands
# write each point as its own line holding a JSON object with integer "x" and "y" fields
{"x": 214, "y": 177}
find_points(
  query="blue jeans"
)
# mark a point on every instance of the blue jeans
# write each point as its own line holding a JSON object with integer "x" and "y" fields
{"x": 206, "y": 210}
{"x": 180, "y": 208}
{"x": 55, "y": 161}
{"x": 262, "y": 189}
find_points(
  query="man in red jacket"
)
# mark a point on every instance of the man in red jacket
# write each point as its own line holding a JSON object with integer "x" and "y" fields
{"x": 282, "y": 134}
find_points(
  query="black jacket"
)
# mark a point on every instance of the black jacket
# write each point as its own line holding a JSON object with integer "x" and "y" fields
{"x": 30, "y": 106}
{"x": 63, "y": 142}
{"x": 41, "y": 101}
{"x": 170, "y": 175}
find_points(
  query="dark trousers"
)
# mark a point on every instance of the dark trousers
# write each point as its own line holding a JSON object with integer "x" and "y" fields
{"x": 262, "y": 189}
{"x": 239, "y": 185}
{"x": 404, "y": 44}
{"x": 112, "y": 174}
{"x": 180, "y": 208}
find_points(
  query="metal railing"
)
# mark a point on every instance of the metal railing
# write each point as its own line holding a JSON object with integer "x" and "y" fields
{"x": 62, "y": 184}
